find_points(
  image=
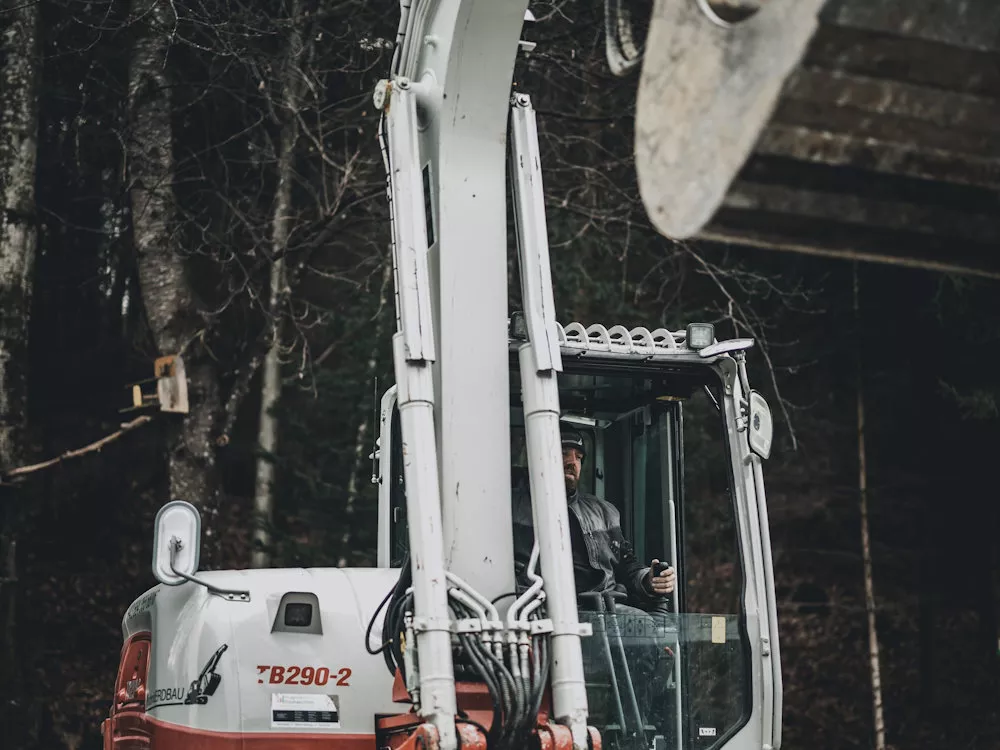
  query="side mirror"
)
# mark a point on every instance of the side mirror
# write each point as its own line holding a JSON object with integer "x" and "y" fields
{"x": 176, "y": 543}
{"x": 761, "y": 427}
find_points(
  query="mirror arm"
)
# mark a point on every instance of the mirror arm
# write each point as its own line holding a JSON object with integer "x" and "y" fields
{"x": 230, "y": 594}
{"x": 741, "y": 364}
{"x": 743, "y": 419}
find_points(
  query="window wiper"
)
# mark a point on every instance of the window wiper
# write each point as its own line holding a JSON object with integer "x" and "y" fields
{"x": 711, "y": 397}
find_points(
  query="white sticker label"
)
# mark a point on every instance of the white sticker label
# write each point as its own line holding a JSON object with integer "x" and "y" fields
{"x": 304, "y": 711}
{"x": 718, "y": 630}
{"x": 706, "y": 731}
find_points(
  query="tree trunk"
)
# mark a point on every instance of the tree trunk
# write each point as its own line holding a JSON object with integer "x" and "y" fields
{"x": 168, "y": 299}
{"x": 270, "y": 392}
{"x": 992, "y": 600}
{"x": 19, "y": 84}
{"x": 281, "y": 224}
{"x": 928, "y": 588}
{"x": 361, "y": 435}
{"x": 267, "y": 434}
{"x": 866, "y": 548}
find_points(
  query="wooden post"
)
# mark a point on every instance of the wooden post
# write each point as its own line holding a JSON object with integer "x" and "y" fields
{"x": 866, "y": 550}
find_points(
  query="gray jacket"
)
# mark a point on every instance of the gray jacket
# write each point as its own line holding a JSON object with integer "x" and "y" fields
{"x": 609, "y": 563}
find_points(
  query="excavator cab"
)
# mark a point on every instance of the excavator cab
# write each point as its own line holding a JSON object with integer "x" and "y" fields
{"x": 671, "y": 671}
{"x": 667, "y": 452}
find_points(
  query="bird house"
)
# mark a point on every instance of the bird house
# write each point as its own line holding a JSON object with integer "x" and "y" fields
{"x": 171, "y": 393}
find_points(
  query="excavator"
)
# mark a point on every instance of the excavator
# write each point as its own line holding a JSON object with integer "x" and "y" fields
{"x": 460, "y": 638}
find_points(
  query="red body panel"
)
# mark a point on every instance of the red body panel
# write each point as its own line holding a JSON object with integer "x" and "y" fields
{"x": 129, "y": 727}
{"x": 158, "y": 735}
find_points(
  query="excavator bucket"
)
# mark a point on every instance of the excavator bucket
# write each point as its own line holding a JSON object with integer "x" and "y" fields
{"x": 711, "y": 75}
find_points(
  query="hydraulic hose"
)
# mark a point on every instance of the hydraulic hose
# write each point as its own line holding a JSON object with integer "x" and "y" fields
{"x": 468, "y": 642}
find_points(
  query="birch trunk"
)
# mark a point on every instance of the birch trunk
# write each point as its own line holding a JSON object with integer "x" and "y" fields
{"x": 267, "y": 435}
{"x": 281, "y": 224}
{"x": 19, "y": 84}
{"x": 866, "y": 549}
{"x": 168, "y": 299}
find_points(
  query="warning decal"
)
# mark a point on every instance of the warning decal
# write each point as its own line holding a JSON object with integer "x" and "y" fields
{"x": 304, "y": 711}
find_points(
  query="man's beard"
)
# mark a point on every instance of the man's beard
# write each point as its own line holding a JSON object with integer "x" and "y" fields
{"x": 570, "y": 484}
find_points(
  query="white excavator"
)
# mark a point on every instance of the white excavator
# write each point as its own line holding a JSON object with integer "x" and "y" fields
{"x": 481, "y": 627}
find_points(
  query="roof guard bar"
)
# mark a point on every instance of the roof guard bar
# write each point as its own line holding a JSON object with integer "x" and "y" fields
{"x": 645, "y": 339}
{"x": 640, "y": 340}
{"x": 600, "y": 334}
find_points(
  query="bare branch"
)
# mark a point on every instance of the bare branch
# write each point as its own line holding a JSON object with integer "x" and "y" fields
{"x": 97, "y": 445}
{"x": 739, "y": 317}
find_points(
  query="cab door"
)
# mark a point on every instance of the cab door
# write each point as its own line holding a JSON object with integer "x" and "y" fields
{"x": 673, "y": 470}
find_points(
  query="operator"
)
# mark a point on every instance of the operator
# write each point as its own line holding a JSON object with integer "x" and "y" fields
{"x": 603, "y": 559}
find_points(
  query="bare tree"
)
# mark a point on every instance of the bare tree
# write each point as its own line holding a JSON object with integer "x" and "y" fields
{"x": 267, "y": 433}
{"x": 19, "y": 84}
{"x": 169, "y": 300}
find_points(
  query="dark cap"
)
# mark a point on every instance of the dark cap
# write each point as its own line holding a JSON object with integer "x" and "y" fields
{"x": 572, "y": 439}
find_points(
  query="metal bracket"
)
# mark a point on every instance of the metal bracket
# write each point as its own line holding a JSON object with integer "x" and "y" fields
{"x": 582, "y": 629}
{"x": 428, "y": 624}
{"x": 538, "y": 627}
{"x": 231, "y": 595}
{"x": 469, "y": 625}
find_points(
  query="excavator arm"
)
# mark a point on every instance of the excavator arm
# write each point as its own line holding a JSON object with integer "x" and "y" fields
{"x": 444, "y": 134}
{"x": 446, "y": 110}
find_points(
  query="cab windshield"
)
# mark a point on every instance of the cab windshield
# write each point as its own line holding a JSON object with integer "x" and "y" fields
{"x": 662, "y": 672}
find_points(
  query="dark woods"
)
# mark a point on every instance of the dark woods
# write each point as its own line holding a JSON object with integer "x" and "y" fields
{"x": 204, "y": 179}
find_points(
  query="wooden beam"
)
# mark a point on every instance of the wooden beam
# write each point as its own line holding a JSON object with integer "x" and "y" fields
{"x": 832, "y": 239}
{"x": 827, "y": 178}
{"x": 829, "y": 117}
{"x": 806, "y": 144}
{"x": 864, "y": 212}
{"x": 946, "y": 109}
{"x": 714, "y": 235}
{"x": 925, "y": 63}
{"x": 970, "y": 24}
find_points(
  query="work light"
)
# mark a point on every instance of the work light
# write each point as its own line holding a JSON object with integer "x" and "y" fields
{"x": 700, "y": 335}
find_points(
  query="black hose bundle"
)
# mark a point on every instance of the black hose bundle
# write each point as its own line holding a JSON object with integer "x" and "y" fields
{"x": 393, "y": 625}
{"x": 534, "y": 687}
{"x": 516, "y": 697}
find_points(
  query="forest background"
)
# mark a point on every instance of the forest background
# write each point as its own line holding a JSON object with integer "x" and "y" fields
{"x": 204, "y": 178}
